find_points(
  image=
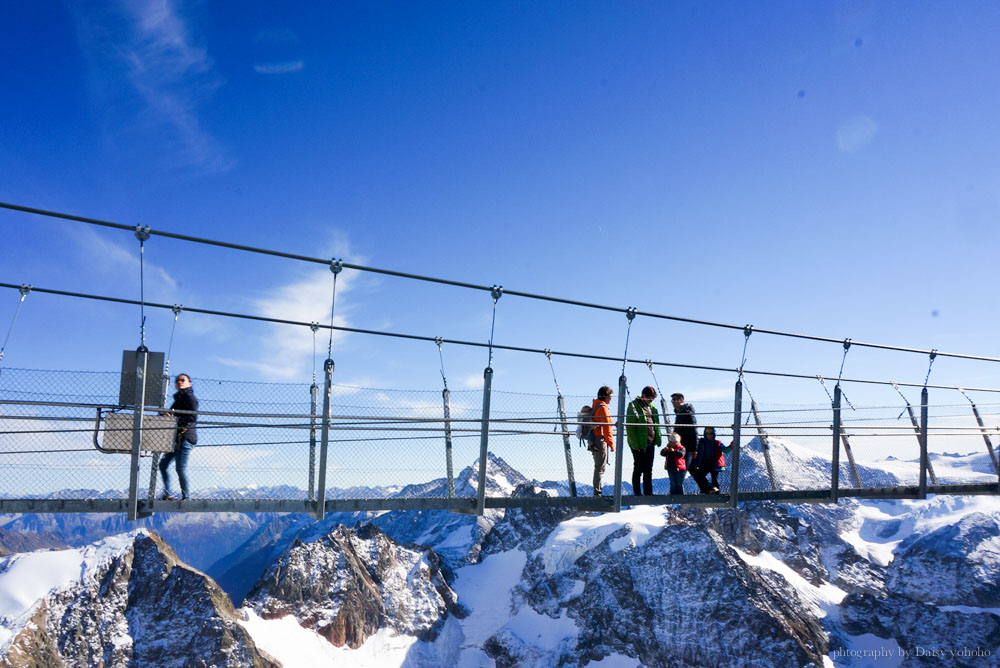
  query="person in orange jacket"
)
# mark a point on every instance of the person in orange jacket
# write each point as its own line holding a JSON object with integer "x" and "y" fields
{"x": 601, "y": 437}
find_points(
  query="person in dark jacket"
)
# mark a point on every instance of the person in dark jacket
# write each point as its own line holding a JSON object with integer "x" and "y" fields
{"x": 185, "y": 438}
{"x": 684, "y": 420}
{"x": 709, "y": 460}
{"x": 643, "y": 432}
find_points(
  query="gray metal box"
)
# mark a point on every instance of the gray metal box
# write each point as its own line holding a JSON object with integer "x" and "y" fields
{"x": 155, "y": 392}
{"x": 157, "y": 433}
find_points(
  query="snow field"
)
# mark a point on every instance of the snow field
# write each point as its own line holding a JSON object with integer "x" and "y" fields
{"x": 573, "y": 538}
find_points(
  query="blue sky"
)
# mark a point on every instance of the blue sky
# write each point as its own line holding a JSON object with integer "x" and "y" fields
{"x": 828, "y": 168}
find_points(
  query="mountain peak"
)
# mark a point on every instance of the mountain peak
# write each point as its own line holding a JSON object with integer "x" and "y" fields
{"x": 351, "y": 582}
{"x": 117, "y": 602}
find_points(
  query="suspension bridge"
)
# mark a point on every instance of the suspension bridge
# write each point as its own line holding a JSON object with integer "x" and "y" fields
{"x": 75, "y": 442}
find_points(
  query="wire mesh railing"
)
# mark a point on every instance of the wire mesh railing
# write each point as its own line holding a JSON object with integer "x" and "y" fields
{"x": 260, "y": 442}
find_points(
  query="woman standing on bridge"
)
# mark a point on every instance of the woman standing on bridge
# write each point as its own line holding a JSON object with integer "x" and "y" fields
{"x": 185, "y": 437}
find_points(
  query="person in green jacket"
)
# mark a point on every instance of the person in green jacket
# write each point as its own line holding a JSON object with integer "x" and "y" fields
{"x": 643, "y": 432}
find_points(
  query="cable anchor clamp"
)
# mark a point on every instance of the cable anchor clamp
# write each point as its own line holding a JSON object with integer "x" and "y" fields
{"x": 336, "y": 266}
{"x": 930, "y": 365}
{"x": 24, "y": 290}
{"x": 847, "y": 345}
{"x": 630, "y": 313}
{"x": 747, "y": 330}
{"x": 142, "y": 233}
{"x": 548, "y": 353}
{"x": 176, "y": 308}
{"x": 314, "y": 326}
{"x": 496, "y": 291}
{"x": 649, "y": 364}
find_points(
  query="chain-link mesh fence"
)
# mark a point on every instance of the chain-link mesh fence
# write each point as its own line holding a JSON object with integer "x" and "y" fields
{"x": 262, "y": 441}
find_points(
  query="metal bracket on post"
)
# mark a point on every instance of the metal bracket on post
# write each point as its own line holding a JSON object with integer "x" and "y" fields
{"x": 313, "y": 405}
{"x": 986, "y": 437}
{"x": 561, "y": 408}
{"x": 663, "y": 399}
{"x": 484, "y": 438}
{"x": 620, "y": 440}
{"x": 835, "y": 465}
{"x": 916, "y": 430}
{"x": 567, "y": 448}
{"x": 446, "y": 399}
{"x": 324, "y": 439}
{"x": 734, "y": 476}
{"x": 925, "y": 461}
{"x": 765, "y": 446}
{"x": 449, "y": 466}
{"x": 141, "y": 357}
{"x": 855, "y": 478}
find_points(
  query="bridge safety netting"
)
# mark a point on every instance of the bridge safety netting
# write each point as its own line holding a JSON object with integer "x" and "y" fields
{"x": 262, "y": 441}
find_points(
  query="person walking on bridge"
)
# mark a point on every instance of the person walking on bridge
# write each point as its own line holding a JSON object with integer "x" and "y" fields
{"x": 185, "y": 438}
{"x": 643, "y": 432}
{"x": 601, "y": 438}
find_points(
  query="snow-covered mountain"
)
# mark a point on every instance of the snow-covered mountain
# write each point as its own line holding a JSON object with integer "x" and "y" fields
{"x": 906, "y": 583}
{"x": 349, "y": 584}
{"x": 123, "y": 601}
{"x": 456, "y": 538}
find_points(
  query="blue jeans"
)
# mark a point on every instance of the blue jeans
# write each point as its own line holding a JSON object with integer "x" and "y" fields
{"x": 676, "y": 481}
{"x": 180, "y": 457}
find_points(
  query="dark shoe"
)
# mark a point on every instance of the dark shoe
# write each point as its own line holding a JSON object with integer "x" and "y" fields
{"x": 713, "y": 491}
{"x": 167, "y": 496}
{"x": 185, "y": 498}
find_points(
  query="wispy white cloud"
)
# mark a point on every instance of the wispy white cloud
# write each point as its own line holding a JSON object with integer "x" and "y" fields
{"x": 277, "y": 52}
{"x": 149, "y": 68}
{"x": 856, "y": 133}
{"x": 119, "y": 260}
{"x": 285, "y": 67}
{"x": 472, "y": 381}
{"x": 306, "y": 298}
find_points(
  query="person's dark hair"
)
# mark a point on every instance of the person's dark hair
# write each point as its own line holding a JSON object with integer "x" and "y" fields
{"x": 677, "y": 395}
{"x": 178, "y": 376}
{"x": 649, "y": 391}
{"x": 604, "y": 392}
{"x": 709, "y": 429}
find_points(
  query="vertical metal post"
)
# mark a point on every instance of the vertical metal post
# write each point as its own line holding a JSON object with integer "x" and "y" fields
{"x": 734, "y": 476}
{"x": 313, "y": 403}
{"x": 141, "y": 357}
{"x": 154, "y": 467}
{"x": 765, "y": 446}
{"x": 619, "y": 443}
{"x": 449, "y": 466}
{"x": 324, "y": 439}
{"x": 835, "y": 464}
{"x": 924, "y": 458}
{"x": 916, "y": 430}
{"x": 561, "y": 403}
{"x": 484, "y": 439}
